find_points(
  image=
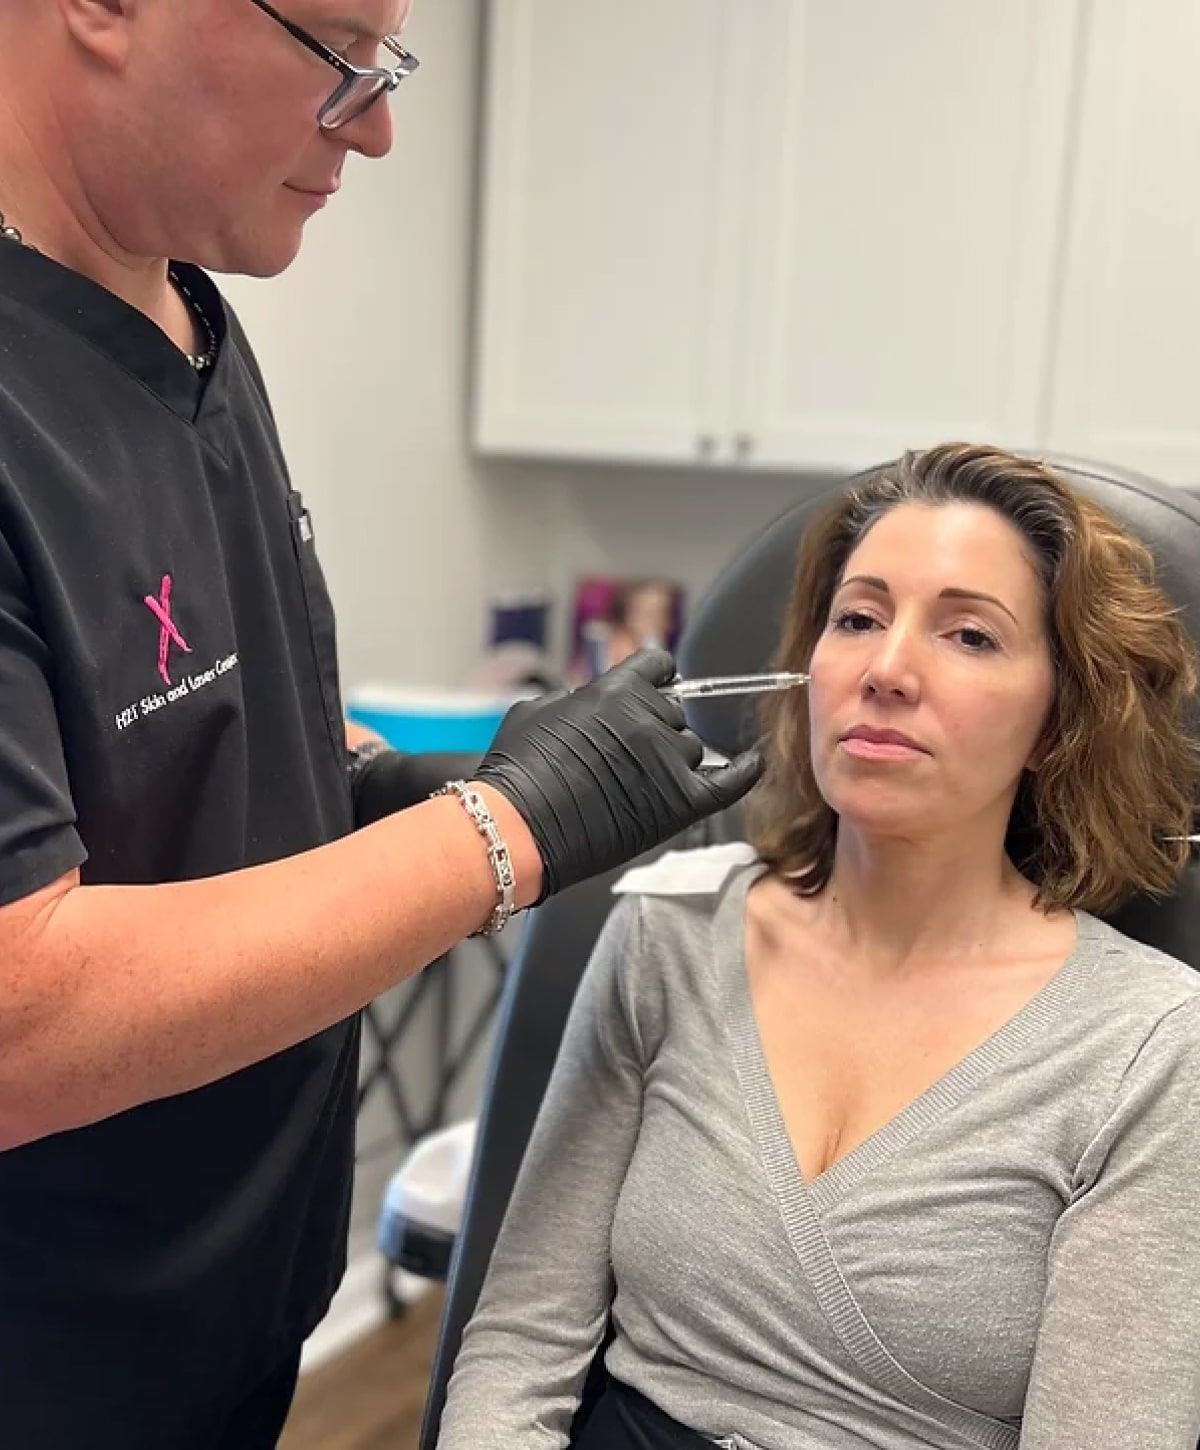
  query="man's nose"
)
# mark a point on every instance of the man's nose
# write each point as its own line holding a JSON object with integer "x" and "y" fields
{"x": 370, "y": 134}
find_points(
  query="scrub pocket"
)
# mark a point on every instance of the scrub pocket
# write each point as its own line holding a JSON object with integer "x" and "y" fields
{"x": 322, "y": 627}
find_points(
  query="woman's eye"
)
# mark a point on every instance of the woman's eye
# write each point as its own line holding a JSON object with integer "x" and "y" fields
{"x": 853, "y": 621}
{"x": 977, "y": 640}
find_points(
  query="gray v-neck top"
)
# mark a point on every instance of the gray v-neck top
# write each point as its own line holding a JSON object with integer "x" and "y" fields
{"x": 1013, "y": 1260}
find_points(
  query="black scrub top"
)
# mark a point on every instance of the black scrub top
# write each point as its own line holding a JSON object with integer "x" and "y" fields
{"x": 169, "y": 709}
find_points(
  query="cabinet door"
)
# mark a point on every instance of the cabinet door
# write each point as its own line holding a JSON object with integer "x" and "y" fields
{"x": 1127, "y": 376}
{"x": 910, "y": 171}
{"x": 605, "y": 259}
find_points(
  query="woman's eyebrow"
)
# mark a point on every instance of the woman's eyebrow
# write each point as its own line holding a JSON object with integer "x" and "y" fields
{"x": 975, "y": 594}
{"x": 873, "y": 582}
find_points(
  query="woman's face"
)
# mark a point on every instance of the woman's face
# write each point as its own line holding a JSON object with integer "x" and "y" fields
{"x": 932, "y": 681}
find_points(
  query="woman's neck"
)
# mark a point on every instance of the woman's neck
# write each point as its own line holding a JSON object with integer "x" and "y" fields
{"x": 895, "y": 903}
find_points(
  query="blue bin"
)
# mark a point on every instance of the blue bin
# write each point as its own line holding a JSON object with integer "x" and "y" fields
{"x": 416, "y": 719}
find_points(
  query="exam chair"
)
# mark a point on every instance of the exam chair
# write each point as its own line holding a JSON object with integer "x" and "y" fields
{"x": 734, "y": 629}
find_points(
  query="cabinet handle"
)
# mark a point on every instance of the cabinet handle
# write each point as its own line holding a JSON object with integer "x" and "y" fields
{"x": 743, "y": 445}
{"x": 706, "y": 445}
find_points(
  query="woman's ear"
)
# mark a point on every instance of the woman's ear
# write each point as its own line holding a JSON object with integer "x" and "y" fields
{"x": 1048, "y": 737}
{"x": 1037, "y": 756}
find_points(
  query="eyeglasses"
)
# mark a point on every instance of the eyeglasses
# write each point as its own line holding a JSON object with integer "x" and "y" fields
{"x": 359, "y": 87}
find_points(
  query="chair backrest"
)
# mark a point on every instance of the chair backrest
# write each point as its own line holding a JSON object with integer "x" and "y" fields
{"x": 538, "y": 993}
{"x": 736, "y": 626}
{"x": 734, "y": 629}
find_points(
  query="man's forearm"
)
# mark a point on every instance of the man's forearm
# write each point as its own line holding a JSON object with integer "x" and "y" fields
{"x": 115, "y": 995}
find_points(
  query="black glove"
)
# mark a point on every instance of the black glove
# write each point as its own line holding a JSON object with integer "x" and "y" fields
{"x": 603, "y": 773}
{"x": 392, "y": 781}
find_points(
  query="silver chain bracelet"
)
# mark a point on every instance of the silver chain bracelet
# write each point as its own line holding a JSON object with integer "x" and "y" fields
{"x": 498, "y": 854}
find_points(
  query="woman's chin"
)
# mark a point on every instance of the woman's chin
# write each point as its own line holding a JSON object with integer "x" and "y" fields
{"x": 881, "y": 820}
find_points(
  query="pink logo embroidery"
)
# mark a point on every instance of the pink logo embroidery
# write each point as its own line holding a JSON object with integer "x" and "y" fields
{"x": 168, "y": 633}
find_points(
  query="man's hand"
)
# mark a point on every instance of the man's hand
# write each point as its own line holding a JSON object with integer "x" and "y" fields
{"x": 357, "y": 735}
{"x": 603, "y": 773}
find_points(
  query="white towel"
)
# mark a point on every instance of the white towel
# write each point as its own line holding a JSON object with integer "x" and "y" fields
{"x": 686, "y": 873}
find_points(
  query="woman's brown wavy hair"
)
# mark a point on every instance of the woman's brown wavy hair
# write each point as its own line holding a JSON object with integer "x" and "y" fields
{"x": 1115, "y": 788}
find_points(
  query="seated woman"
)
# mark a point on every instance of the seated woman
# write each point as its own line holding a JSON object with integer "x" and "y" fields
{"x": 881, "y": 1138}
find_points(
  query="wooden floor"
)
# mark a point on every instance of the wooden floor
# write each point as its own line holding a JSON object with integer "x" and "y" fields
{"x": 371, "y": 1397}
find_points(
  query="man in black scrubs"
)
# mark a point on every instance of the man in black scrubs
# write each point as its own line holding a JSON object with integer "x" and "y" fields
{"x": 189, "y": 919}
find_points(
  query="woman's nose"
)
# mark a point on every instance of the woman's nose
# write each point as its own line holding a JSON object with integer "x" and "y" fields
{"x": 893, "y": 666}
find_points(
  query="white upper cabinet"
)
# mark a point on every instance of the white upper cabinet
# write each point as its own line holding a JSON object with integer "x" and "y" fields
{"x": 811, "y": 233}
{"x": 909, "y": 180}
{"x": 608, "y": 151}
{"x": 1126, "y": 385}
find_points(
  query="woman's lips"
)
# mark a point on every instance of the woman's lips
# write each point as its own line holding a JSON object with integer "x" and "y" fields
{"x": 863, "y": 749}
{"x": 866, "y": 743}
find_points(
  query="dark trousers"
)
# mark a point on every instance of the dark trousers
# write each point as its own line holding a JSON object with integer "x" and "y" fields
{"x": 258, "y": 1421}
{"x": 625, "y": 1420}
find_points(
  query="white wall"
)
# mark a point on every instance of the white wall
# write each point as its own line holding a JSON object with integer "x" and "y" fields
{"x": 365, "y": 343}
{"x": 684, "y": 524}
{"x": 364, "y": 346}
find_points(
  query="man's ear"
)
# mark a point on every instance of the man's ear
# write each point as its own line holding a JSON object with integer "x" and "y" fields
{"x": 100, "y": 27}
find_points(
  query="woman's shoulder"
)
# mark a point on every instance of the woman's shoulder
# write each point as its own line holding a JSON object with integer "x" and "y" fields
{"x": 688, "y": 904}
{"x": 1137, "y": 1030}
{"x": 1133, "y": 978}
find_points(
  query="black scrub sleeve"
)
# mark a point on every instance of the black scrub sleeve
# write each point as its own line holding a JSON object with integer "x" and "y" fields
{"x": 392, "y": 780}
{"x": 38, "y": 837}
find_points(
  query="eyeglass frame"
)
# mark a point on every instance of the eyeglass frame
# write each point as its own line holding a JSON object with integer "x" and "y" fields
{"x": 386, "y": 79}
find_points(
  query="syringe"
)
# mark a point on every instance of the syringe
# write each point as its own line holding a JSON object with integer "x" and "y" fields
{"x": 716, "y": 685}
